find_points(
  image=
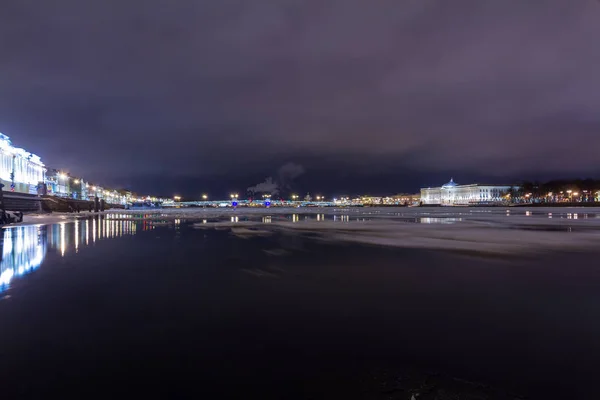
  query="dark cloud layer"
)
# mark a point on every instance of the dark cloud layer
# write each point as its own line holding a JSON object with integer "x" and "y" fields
{"x": 154, "y": 94}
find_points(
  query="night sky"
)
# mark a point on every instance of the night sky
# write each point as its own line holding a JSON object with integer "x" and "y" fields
{"x": 193, "y": 96}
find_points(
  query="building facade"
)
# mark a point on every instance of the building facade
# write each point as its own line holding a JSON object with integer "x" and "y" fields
{"x": 453, "y": 194}
{"x": 20, "y": 171}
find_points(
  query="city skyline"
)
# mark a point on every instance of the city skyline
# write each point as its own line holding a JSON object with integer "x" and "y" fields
{"x": 217, "y": 97}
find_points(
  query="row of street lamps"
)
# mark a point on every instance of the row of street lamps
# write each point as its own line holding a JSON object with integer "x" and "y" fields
{"x": 235, "y": 196}
{"x": 111, "y": 195}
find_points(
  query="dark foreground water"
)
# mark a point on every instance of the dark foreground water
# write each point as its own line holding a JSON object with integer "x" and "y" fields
{"x": 106, "y": 308}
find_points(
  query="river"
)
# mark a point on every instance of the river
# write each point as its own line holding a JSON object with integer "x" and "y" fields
{"x": 114, "y": 305}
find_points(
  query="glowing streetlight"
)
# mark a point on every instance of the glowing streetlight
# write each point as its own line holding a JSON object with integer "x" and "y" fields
{"x": 319, "y": 198}
{"x": 204, "y": 196}
{"x": 76, "y": 181}
{"x": 177, "y": 198}
{"x": 233, "y": 196}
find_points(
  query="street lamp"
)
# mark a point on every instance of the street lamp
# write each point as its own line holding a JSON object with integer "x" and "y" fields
{"x": 204, "y": 197}
{"x": 319, "y": 198}
{"x": 177, "y": 198}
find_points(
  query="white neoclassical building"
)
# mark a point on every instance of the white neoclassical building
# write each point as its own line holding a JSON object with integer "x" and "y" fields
{"x": 20, "y": 168}
{"x": 453, "y": 194}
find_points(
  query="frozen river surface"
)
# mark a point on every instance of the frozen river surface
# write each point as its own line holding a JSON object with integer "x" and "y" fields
{"x": 483, "y": 230}
{"x": 303, "y": 304}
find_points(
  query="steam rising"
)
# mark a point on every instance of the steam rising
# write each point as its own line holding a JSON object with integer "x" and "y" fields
{"x": 285, "y": 176}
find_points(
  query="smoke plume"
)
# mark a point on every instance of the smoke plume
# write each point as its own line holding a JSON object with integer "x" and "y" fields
{"x": 285, "y": 176}
{"x": 287, "y": 173}
{"x": 267, "y": 187}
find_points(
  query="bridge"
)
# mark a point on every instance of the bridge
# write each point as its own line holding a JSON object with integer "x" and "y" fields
{"x": 251, "y": 203}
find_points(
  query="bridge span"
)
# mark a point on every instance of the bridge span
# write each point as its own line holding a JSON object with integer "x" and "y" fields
{"x": 253, "y": 203}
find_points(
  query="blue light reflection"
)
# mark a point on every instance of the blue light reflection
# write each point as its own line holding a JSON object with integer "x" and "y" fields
{"x": 23, "y": 250}
{"x": 24, "y": 247}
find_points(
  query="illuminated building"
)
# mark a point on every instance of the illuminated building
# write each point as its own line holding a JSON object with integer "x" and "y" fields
{"x": 406, "y": 198}
{"x": 20, "y": 170}
{"x": 454, "y": 194}
{"x": 57, "y": 183}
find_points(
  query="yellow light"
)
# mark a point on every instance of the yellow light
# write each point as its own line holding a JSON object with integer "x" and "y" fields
{"x": 204, "y": 197}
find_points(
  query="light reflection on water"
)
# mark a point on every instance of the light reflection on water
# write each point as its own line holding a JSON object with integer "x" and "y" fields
{"x": 25, "y": 247}
{"x": 432, "y": 220}
{"x": 23, "y": 250}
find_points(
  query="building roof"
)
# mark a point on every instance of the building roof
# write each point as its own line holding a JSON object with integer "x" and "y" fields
{"x": 450, "y": 184}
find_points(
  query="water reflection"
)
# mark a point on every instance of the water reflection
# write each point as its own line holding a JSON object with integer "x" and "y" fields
{"x": 23, "y": 250}
{"x": 24, "y": 247}
{"x": 342, "y": 218}
{"x": 433, "y": 220}
{"x": 65, "y": 236}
